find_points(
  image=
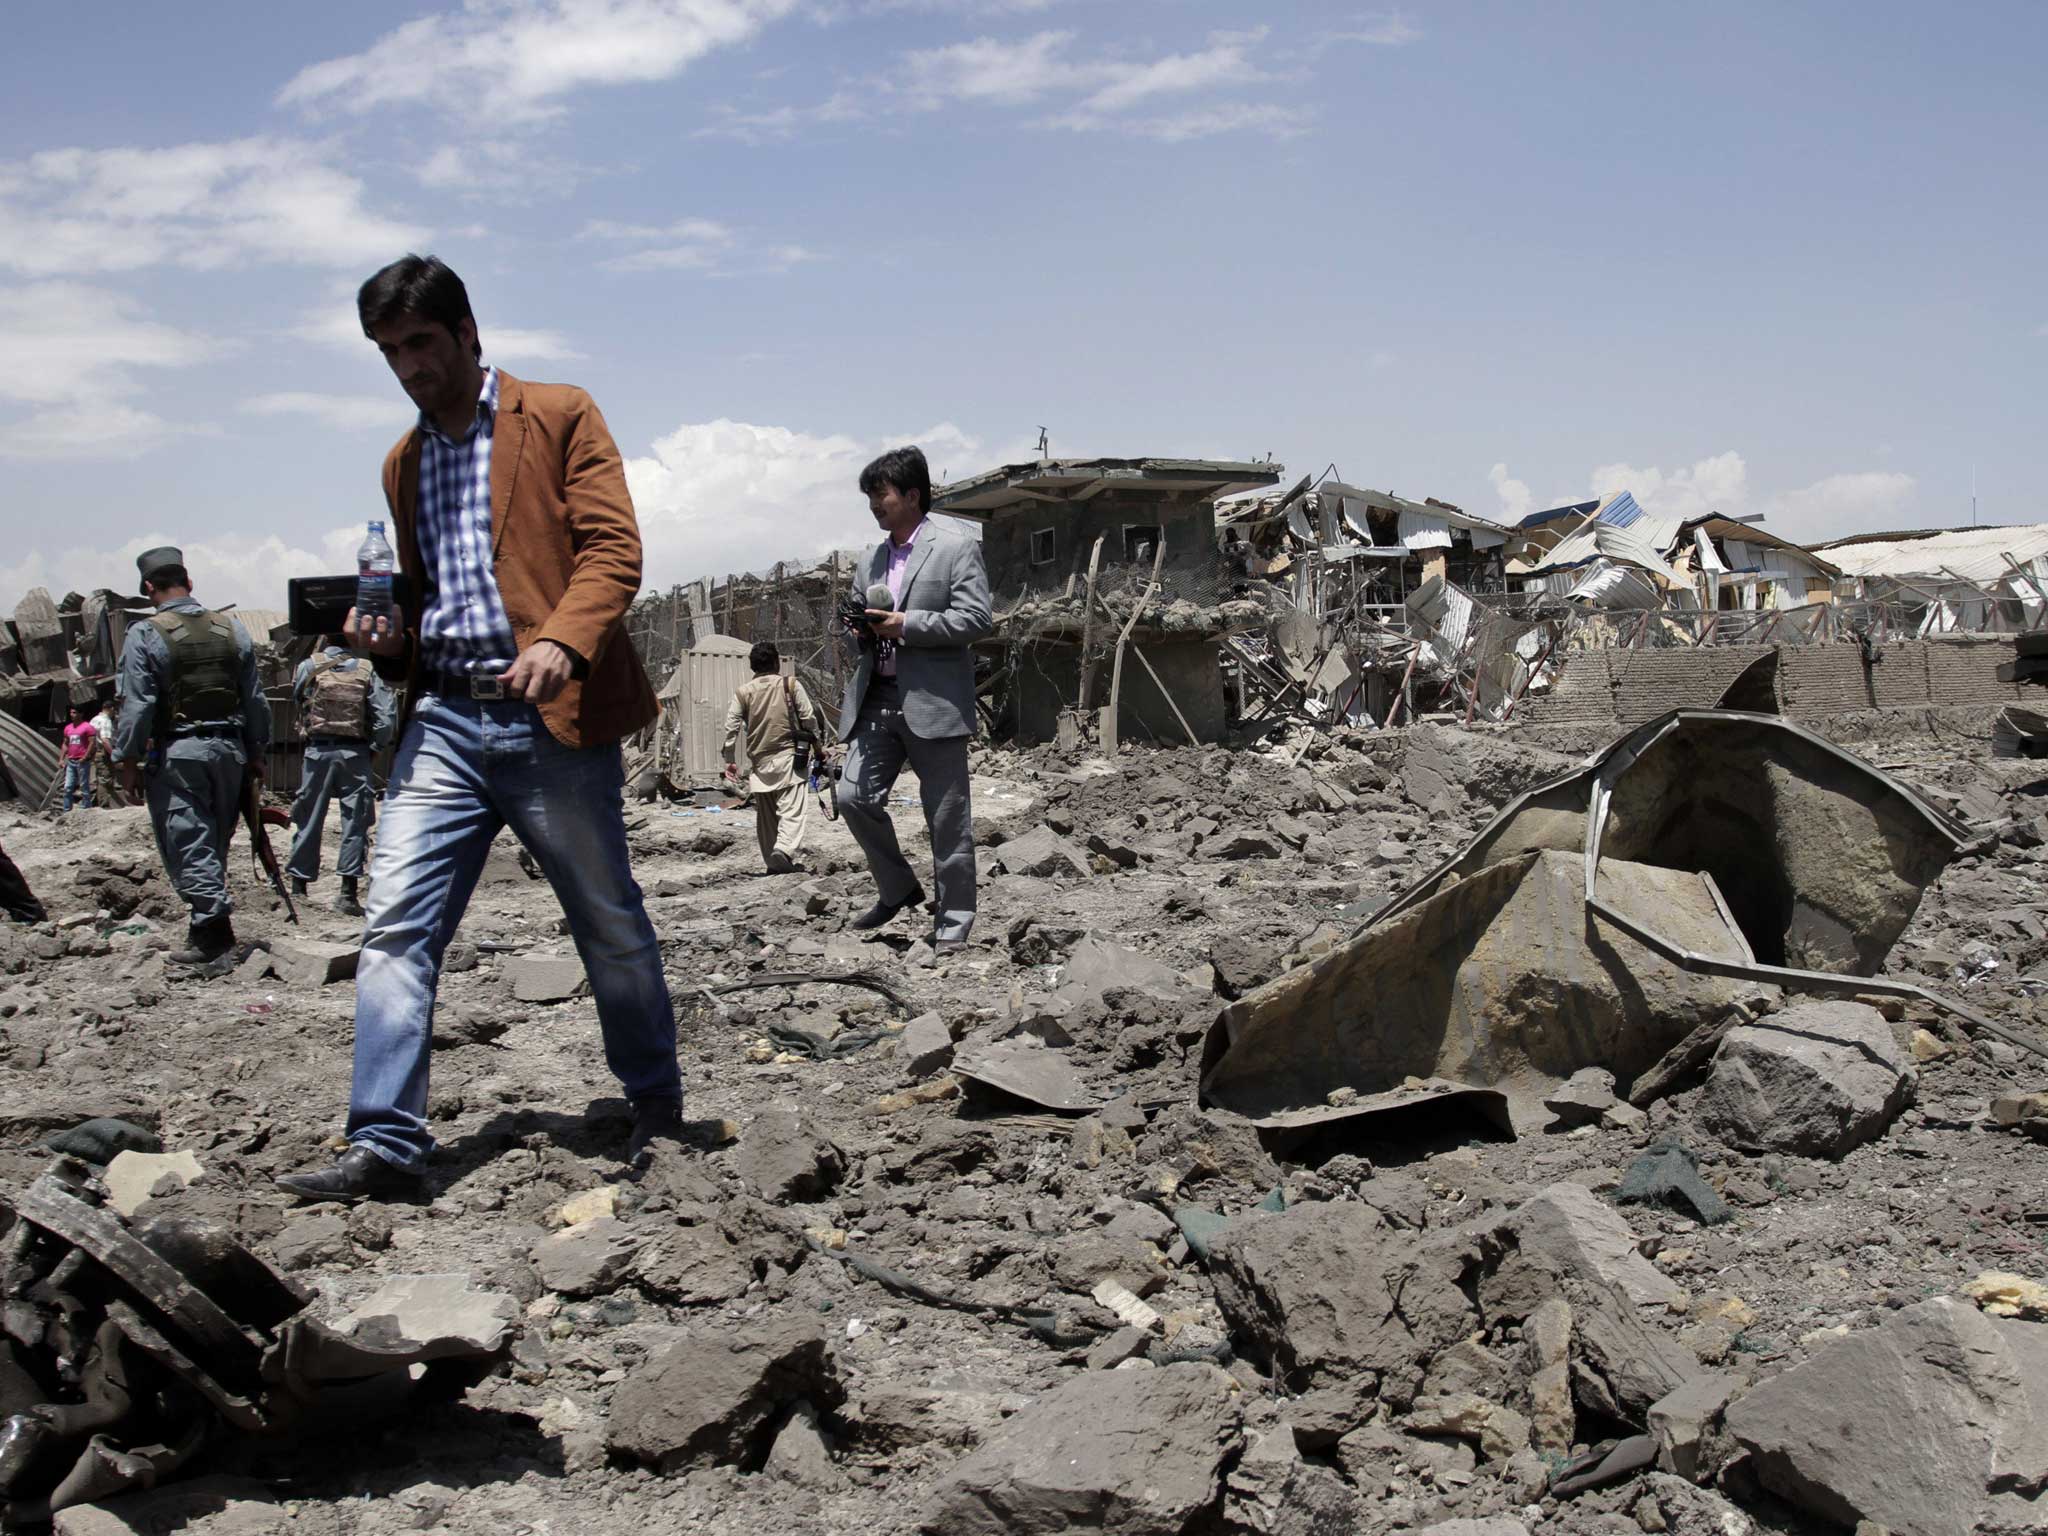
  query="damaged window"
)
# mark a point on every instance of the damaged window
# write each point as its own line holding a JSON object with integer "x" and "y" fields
{"x": 1140, "y": 539}
{"x": 1044, "y": 547}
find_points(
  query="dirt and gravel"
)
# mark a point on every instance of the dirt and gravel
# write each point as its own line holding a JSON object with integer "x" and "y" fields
{"x": 750, "y": 1332}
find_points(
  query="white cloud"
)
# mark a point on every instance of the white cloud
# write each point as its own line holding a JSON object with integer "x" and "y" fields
{"x": 334, "y": 324}
{"x": 193, "y": 205}
{"x": 987, "y": 69}
{"x": 778, "y": 124}
{"x": 1836, "y": 505}
{"x": 1716, "y": 484}
{"x": 692, "y": 245}
{"x": 344, "y": 413}
{"x": 72, "y": 353}
{"x": 104, "y": 430}
{"x": 516, "y": 57}
{"x": 1867, "y": 501}
{"x": 724, "y": 496}
{"x": 1268, "y": 118}
{"x": 1223, "y": 62}
{"x": 1376, "y": 29}
{"x": 1515, "y": 497}
{"x": 247, "y": 569}
{"x": 67, "y": 342}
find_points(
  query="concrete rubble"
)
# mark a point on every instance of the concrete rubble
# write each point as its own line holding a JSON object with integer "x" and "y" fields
{"x": 1298, "y": 1150}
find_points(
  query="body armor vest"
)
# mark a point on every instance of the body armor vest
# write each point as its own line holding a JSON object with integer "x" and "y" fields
{"x": 205, "y": 673}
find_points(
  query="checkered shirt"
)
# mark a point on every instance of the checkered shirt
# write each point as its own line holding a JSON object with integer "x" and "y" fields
{"x": 464, "y": 628}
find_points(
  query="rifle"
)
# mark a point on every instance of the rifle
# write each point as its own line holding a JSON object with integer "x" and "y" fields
{"x": 259, "y": 839}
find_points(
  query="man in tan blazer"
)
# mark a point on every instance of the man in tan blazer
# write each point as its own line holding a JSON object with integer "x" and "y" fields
{"x": 513, "y": 524}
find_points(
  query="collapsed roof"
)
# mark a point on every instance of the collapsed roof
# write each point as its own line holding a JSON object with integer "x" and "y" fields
{"x": 1042, "y": 482}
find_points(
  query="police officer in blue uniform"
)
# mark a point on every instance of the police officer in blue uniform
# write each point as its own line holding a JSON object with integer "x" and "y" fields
{"x": 348, "y": 714}
{"x": 192, "y": 706}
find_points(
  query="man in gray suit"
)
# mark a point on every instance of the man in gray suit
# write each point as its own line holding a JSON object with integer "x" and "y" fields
{"x": 912, "y": 695}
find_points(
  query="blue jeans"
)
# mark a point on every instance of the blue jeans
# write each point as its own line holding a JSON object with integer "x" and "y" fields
{"x": 465, "y": 769}
{"x": 78, "y": 782}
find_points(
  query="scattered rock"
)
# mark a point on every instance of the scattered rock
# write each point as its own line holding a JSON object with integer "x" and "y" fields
{"x": 546, "y": 978}
{"x": 926, "y": 1045}
{"x": 588, "y": 1259}
{"x": 2008, "y": 1295}
{"x": 313, "y": 1242}
{"x": 801, "y": 1454}
{"x": 1330, "y": 1291}
{"x": 1582, "y": 1098}
{"x": 1044, "y": 854}
{"x": 716, "y": 1399}
{"x": 132, "y": 1177}
{"x": 783, "y": 1158}
{"x": 216, "y": 1505}
{"x": 1931, "y": 1423}
{"x": 439, "y": 1313}
{"x": 1815, "y": 1078}
{"x": 1140, "y": 1453}
{"x": 312, "y": 962}
{"x": 1568, "y": 1225}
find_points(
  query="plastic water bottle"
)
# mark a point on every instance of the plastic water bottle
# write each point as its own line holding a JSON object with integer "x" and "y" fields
{"x": 374, "y": 564}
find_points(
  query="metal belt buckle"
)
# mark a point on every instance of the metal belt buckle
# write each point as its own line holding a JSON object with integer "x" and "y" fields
{"x": 481, "y": 687}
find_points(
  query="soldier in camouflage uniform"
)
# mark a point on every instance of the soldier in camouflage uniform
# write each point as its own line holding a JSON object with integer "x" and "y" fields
{"x": 193, "y": 706}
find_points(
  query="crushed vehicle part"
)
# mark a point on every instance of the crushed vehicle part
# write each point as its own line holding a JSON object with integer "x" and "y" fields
{"x": 1696, "y": 864}
{"x": 124, "y": 1344}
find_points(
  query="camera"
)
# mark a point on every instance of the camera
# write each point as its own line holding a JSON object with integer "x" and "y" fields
{"x": 854, "y": 614}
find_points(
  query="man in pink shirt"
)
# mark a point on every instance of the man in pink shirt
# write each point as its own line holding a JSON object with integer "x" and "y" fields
{"x": 79, "y": 740}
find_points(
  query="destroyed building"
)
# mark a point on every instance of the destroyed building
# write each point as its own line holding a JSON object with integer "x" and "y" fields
{"x": 1095, "y": 561}
{"x": 1967, "y": 580}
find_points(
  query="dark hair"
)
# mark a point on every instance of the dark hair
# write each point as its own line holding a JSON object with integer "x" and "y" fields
{"x": 78, "y": 709}
{"x": 416, "y": 285}
{"x": 905, "y": 470}
{"x": 764, "y": 656}
{"x": 169, "y": 576}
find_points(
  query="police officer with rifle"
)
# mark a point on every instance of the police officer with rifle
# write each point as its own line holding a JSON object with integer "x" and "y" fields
{"x": 194, "y": 708}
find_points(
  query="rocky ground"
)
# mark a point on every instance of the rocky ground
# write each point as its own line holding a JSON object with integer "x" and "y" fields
{"x": 872, "y": 1296}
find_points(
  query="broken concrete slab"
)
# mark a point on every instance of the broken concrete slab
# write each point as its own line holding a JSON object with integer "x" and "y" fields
{"x": 1136, "y": 1452}
{"x": 1021, "y": 1067}
{"x": 312, "y": 962}
{"x": 588, "y": 1259}
{"x": 926, "y": 1045}
{"x": 437, "y": 1315}
{"x": 1331, "y": 1292}
{"x": 132, "y": 1177}
{"x": 1095, "y": 966}
{"x": 546, "y": 978}
{"x": 1568, "y": 1225}
{"x": 1682, "y": 1421}
{"x": 1818, "y": 1078}
{"x": 1934, "y": 1423}
{"x": 717, "y": 1399}
{"x": 782, "y": 1157}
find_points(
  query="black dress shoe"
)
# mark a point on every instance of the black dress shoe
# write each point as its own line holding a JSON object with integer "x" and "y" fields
{"x": 654, "y": 1120}
{"x": 348, "y": 903}
{"x": 882, "y": 911}
{"x": 358, "y": 1174}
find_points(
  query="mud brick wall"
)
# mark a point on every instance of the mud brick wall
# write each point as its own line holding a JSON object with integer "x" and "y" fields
{"x": 1582, "y": 693}
{"x": 1647, "y": 683}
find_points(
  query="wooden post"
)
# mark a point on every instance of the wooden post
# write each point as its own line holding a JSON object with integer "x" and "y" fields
{"x": 1088, "y": 631}
{"x": 1108, "y": 730}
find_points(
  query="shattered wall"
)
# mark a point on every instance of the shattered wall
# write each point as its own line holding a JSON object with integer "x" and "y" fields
{"x": 1627, "y": 687}
{"x": 1048, "y": 679}
{"x": 1189, "y": 530}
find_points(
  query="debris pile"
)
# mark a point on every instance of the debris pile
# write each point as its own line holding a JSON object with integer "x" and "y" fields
{"x": 1302, "y": 1144}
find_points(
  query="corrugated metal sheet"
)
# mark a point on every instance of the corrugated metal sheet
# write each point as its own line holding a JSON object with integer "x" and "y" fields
{"x": 693, "y": 705}
{"x": 1621, "y": 511}
{"x": 1972, "y": 553}
{"x": 31, "y": 759}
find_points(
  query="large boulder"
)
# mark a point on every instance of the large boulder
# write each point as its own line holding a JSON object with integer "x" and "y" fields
{"x": 1933, "y": 1424}
{"x": 717, "y": 1399}
{"x": 1139, "y": 1453}
{"x": 1818, "y": 1078}
{"x": 1327, "y": 1292}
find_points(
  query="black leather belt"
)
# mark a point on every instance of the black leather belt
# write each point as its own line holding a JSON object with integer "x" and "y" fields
{"x": 214, "y": 732}
{"x": 465, "y": 685}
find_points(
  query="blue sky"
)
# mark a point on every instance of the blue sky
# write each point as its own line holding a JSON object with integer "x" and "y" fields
{"x": 1760, "y": 259}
